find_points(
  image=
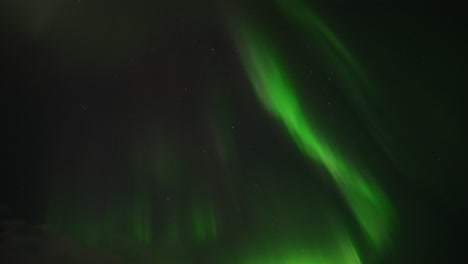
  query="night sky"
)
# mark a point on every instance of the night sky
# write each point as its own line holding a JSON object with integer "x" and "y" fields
{"x": 233, "y": 132}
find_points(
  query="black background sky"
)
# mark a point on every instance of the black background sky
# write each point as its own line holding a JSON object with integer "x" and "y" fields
{"x": 87, "y": 84}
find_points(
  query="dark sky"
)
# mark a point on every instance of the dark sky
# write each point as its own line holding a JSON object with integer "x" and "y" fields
{"x": 134, "y": 127}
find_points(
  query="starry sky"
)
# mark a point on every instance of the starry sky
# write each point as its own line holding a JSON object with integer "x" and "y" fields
{"x": 237, "y": 132}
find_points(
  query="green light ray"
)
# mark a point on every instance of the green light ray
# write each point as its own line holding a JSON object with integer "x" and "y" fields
{"x": 275, "y": 90}
{"x": 203, "y": 221}
{"x": 357, "y": 82}
{"x": 91, "y": 220}
{"x": 141, "y": 217}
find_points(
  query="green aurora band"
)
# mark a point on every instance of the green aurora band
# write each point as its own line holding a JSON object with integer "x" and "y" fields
{"x": 132, "y": 214}
{"x": 266, "y": 69}
{"x": 356, "y": 80}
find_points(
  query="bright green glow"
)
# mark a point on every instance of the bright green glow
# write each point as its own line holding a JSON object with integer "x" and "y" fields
{"x": 357, "y": 83}
{"x": 367, "y": 201}
{"x": 276, "y": 91}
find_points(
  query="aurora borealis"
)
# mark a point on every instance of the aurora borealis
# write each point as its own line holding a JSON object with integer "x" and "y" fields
{"x": 236, "y": 132}
{"x": 276, "y": 91}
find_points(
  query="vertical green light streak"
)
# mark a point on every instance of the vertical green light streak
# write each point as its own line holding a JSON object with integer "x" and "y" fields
{"x": 141, "y": 219}
{"x": 203, "y": 221}
{"x": 357, "y": 83}
{"x": 276, "y": 91}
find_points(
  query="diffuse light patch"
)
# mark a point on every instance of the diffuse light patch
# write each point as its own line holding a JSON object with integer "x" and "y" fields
{"x": 266, "y": 69}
